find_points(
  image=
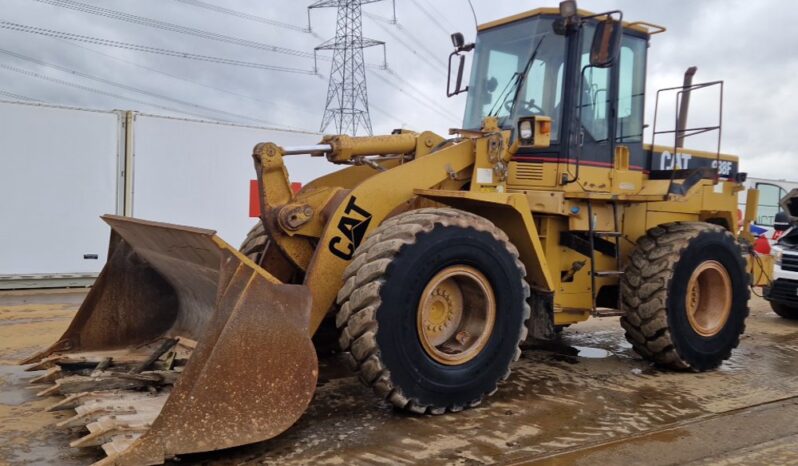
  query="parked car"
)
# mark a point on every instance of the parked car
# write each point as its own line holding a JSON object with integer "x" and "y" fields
{"x": 783, "y": 291}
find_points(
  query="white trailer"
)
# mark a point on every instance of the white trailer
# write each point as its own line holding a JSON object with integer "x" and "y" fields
{"x": 61, "y": 168}
{"x": 59, "y": 171}
{"x": 197, "y": 173}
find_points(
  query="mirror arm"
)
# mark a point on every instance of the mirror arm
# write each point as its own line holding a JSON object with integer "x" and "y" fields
{"x": 606, "y": 13}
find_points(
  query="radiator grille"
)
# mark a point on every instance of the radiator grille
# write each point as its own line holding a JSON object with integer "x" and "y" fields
{"x": 528, "y": 171}
{"x": 789, "y": 262}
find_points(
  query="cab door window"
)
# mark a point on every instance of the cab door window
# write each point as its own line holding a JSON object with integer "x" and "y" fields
{"x": 594, "y": 99}
{"x": 631, "y": 90}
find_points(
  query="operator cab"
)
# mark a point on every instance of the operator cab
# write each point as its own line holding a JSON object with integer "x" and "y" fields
{"x": 539, "y": 64}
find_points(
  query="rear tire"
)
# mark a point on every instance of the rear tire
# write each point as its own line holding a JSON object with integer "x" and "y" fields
{"x": 784, "y": 310}
{"x": 685, "y": 293}
{"x": 396, "y": 308}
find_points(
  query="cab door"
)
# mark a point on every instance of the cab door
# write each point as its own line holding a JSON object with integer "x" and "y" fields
{"x": 595, "y": 110}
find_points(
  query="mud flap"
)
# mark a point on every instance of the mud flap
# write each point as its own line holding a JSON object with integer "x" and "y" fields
{"x": 253, "y": 370}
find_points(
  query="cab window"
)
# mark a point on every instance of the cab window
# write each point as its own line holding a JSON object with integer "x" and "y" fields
{"x": 594, "y": 103}
{"x": 631, "y": 90}
{"x": 502, "y": 54}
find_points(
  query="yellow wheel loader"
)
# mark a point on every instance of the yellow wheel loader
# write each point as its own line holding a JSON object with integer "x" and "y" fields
{"x": 433, "y": 257}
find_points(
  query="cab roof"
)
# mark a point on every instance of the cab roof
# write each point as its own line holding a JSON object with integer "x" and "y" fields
{"x": 638, "y": 26}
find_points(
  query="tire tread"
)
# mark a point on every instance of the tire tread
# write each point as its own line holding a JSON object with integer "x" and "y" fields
{"x": 359, "y": 299}
{"x": 644, "y": 290}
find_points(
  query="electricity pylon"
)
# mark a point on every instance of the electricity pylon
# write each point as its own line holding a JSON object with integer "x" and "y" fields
{"x": 347, "y": 97}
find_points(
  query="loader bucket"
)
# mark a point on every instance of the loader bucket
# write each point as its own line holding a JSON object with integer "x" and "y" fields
{"x": 183, "y": 345}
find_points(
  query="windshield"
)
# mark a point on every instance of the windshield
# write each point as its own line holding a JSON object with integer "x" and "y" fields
{"x": 501, "y": 54}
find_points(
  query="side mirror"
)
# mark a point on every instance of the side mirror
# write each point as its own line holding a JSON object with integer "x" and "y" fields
{"x": 459, "y": 46}
{"x": 459, "y": 80}
{"x": 606, "y": 43}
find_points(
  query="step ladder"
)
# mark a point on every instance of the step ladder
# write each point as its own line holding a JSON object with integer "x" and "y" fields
{"x": 617, "y": 234}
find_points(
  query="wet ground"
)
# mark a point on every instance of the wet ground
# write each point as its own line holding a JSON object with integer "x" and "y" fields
{"x": 589, "y": 401}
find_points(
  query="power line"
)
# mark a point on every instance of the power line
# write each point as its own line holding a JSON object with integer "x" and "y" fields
{"x": 411, "y": 49}
{"x": 386, "y": 21}
{"x": 18, "y": 96}
{"x": 372, "y": 105}
{"x": 243, "y": 15}
{"x": 129, "y": 88}
{"x": 144, "y": 48}
{"x": 414, "y": 97}
{"x": 429, "y": 15}
{"x": 96, "y": 91}
{"x": 380, "y": 18}
{"x": 439, "y": 15}
{"x": 163, "y": 25}
{"x": 434, "y": 101}
{"x": 171, "y": 75}
{"x": 122, "y": 45}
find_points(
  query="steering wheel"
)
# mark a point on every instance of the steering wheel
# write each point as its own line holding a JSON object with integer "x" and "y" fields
{"x": 528, "y": 106}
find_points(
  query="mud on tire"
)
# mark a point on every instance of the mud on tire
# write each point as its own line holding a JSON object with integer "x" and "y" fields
{"x": 380, "y": 298}
{"x": 654, "y": 295}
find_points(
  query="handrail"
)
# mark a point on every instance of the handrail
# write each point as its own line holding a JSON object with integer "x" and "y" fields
{"x": 658, "y": 29}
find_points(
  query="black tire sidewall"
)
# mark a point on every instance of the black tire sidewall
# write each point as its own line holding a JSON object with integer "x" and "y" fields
{"x": 785, "y": 311}
{"x": 703, "y": 352}
{"x": 411, "y": 368}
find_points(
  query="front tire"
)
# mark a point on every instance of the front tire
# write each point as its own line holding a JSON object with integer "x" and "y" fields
{"x": 256, "y": 242}
{"x": 433, "y": 310}
{"x": 685, "y": 293}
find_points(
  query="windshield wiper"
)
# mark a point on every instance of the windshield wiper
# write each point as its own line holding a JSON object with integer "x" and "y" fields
{"x": 515, "y": 84}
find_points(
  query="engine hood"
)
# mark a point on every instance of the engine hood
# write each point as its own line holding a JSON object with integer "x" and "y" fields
{"x": 790, "y": 205}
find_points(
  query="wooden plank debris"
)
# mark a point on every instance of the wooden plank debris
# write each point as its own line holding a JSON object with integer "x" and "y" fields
{"x": 110, "y": 381}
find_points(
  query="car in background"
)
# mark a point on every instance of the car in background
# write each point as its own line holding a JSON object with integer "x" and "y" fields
{"x": 782, "y": 293}
{"x": 770, "y": 194}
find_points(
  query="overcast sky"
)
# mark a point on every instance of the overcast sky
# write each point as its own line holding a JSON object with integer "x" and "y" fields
{"x": 750, "y": 45}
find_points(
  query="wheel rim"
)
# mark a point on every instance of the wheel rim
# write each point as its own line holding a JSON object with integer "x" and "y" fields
{"x": 709, "y": 298}
{"x": 456, "y": 314}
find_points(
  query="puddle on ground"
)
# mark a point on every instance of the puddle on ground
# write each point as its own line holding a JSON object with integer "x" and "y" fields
{"x": 592, "y": 353}
{"x": 14, "y": 389}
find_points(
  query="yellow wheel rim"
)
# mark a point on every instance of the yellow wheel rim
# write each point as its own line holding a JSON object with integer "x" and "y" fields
{"x": 709, "y": 298}
{"x": 456, "y": 314}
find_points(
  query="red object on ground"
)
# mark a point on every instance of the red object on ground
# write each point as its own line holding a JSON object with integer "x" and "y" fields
{"x": 762, "y": 245}
{"x": 254, "y": 196}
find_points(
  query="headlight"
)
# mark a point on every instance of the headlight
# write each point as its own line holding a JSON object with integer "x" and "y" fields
{"x": 776, "y": 253}
{"x": 525, "y": 130}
